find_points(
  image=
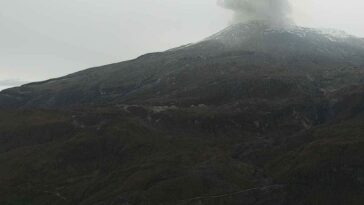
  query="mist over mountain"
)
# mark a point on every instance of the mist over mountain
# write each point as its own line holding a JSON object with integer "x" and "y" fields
{"x": 257, "y": 114}
{"x": 272, "y": 12}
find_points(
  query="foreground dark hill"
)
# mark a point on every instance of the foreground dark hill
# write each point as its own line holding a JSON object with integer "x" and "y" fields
{"x": 252, "y": 115}
{"x": 140, "y": 155}
{"x": 243, "y": 61}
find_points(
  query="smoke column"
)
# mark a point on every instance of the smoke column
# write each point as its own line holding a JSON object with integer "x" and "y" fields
{"x": 272, "y": 12}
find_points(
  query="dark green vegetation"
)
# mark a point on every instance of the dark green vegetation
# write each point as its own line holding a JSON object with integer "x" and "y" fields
{"x": 143, "y": 155}
{"x": 250, "y": 116}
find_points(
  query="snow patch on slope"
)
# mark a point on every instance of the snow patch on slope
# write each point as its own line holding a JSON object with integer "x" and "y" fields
{"x": 240, "y": 31}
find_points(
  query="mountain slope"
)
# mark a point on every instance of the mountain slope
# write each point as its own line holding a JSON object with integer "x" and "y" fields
{"x": 253, "y": 115}
{"x": 265, "y": 59}
{"x": 138, "y": 155}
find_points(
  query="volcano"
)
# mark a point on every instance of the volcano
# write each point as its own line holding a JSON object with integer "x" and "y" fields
{"x": 215, "y": 70}
{"x": 253, "y": 115}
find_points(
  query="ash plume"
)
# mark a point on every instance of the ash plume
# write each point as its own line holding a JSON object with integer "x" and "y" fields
{"x": 272, "y": 12}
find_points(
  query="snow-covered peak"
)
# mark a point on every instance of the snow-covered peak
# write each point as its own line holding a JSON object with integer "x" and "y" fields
{"x": 330, "y": 34}
{"x": 288, "y": 39}
{"x": 335, "y": 33}
{"x": 241, "y": 31}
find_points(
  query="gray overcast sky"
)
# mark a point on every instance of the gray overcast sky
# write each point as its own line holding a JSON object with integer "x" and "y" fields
{"x": 41, "y": 39}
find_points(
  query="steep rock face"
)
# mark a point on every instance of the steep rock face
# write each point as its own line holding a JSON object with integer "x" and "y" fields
{"x": 244, "y": 61}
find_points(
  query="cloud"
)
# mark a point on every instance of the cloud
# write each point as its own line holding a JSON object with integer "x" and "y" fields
{"x": 274, "y": 12}
{"x": 11, "y": 82}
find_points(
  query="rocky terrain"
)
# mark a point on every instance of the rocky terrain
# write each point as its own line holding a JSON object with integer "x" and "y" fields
{"x": 253, "y": 115}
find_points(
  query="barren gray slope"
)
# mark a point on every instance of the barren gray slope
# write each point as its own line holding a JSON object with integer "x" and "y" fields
{"x": 243, "y": 61}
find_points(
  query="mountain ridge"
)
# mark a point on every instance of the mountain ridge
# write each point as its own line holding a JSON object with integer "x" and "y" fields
{"x": 293, "y": 51}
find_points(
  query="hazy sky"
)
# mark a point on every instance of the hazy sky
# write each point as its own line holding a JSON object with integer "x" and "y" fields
{"x": 41, "y": 39}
